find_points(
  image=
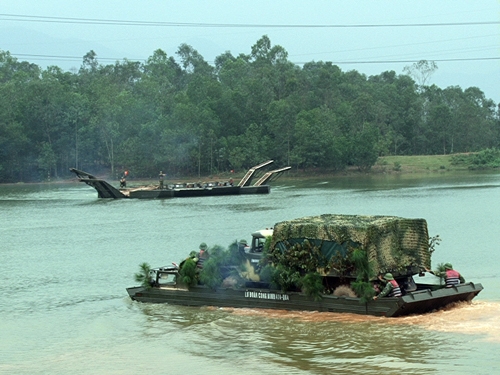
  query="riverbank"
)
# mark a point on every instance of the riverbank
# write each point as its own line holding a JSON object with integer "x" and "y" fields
{"x": 419, "y": 164}
{"x": 416, "y": 164}
{"x": 392, "y": 165}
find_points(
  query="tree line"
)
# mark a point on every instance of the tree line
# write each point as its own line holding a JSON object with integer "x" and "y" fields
{"x": 185, "y": 116}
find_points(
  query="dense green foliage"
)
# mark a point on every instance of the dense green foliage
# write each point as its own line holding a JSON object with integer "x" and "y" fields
{"x": 218, "y": 266}
{"x": 188, "y": 272}
{"x": 295, "y": 268}
{"x": 489, "y": 158}
{"x": 312, "y": 285}
{"x": 188, "y": 117}
{"x": 364, "y": 274}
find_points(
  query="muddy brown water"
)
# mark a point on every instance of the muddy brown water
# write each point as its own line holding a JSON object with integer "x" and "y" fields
{"x": 68, "y": 256}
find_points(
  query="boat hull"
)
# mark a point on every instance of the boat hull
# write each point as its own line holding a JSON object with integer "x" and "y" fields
{"x": 412, "y": 303}
{"x": 198, "y": 192}
{"x": 106, "y": 190}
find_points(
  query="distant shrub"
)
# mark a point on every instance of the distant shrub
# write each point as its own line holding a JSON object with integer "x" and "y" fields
{"x": 488, "y": 158}
{"x": 460, "y": 159}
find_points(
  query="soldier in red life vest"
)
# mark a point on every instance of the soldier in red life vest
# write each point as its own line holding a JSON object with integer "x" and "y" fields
{"x": 451, "y": 277}
{"x": 202, "y": 255}
{"x": 391, "y": 289}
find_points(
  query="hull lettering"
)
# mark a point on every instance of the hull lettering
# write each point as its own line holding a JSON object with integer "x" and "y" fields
{"x": 267, "y": 295}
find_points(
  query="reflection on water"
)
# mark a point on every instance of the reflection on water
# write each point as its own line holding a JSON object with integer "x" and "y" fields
{"x": 291, "y": 341}
{"x": 312, "y": 341}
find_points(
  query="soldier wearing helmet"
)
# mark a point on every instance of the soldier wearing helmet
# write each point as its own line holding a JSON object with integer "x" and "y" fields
{"x": 202, "y": 255}
{"x": 391, "y": 288}
{"x": 451, "y": 277}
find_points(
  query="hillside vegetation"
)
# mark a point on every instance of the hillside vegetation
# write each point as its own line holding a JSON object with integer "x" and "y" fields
{"x": 186, "y": 117}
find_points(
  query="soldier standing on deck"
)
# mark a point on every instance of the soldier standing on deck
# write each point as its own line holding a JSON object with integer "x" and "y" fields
{"x": 161, "y": 176}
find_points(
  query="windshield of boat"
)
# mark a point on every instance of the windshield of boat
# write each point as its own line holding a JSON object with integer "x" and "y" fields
{"x": 166, "y": 277}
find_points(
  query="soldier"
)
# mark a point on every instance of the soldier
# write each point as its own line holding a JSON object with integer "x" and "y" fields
{"x": 391, "y": 289}
{"x": 202, "y": 255}
{"x": 161, "y": 176}
{"x": 451, "y": 277}
{"x": 243, "y": 246}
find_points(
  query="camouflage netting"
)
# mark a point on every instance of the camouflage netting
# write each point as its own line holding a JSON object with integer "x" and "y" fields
{"x": 392, "y": 243}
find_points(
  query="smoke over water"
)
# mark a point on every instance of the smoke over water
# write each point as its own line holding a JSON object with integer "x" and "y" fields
{"x": 475, "y": 318}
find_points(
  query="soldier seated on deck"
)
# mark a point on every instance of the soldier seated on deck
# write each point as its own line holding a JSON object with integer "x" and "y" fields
{"x": 243, "y": 246}
{"x": 391, "y": 289}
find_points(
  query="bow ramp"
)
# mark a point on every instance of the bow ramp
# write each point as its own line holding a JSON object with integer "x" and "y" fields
{"x": 247, "y": 178}
{"x": 104, "y": 189}
{"x": 271, "y": 176}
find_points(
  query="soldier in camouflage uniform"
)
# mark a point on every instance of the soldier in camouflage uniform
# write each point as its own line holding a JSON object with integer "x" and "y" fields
{"x": 391, "y": 289}
{"x": 451, "y": 277}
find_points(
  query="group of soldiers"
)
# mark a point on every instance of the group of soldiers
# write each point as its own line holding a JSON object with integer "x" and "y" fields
{"x": 392, "y": 288}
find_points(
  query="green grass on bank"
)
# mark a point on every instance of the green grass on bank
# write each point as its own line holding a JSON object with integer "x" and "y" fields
{"x": 418, "y": 163}
{"x": 487, "y": 159}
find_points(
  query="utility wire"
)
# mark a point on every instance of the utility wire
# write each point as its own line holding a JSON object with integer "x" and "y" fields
{"x": 30, "y": 18}
{"x": 55, "y": 57}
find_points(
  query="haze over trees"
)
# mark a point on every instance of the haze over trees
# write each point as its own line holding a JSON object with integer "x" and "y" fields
{"x": 186, "y": 117}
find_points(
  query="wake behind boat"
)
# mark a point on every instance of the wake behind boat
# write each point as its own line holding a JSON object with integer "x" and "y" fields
{"x": 323, "y": 263}
{"x": 245, "y": 186}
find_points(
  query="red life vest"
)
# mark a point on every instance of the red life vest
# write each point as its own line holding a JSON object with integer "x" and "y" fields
{"x": 452, "y": 278}
{"x": 396, "y": 290}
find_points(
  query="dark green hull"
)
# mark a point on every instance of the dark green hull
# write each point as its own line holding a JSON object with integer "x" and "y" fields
{"x": 197, "y": 192}
{"x": 106, "y": 190}
{"x": 412, "y": 303}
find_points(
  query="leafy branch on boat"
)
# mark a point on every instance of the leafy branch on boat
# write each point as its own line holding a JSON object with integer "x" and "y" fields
{"x": 364, "y": 273}
{"x": 144, "y": 275}
{"x": 433, "y": 242}
{"x": 187, "y": 272}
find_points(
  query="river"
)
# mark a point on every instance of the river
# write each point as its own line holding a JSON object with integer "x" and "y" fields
{"x": 68, "y": 256}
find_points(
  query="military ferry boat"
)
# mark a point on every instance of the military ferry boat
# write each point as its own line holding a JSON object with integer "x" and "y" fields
{"x": 324, "y": 263}
{"x": 161, "y": 190}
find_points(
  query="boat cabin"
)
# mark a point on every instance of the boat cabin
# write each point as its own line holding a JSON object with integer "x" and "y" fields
{"x": 259, "y": 239}
{"x": 165, "y": 276}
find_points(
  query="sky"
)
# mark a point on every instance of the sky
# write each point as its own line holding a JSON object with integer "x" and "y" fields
{"x": 462, "y": 37}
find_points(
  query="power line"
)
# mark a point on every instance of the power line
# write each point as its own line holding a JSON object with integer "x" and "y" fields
{"x": 111, "y": 22}
{"x": 397, "y": 45}
{"x": 409, "y": 61}
{"x": 63, "y": 58}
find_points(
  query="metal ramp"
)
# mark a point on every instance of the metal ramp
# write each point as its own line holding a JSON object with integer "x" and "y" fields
{"x": 104, "y": 189}
{"x": 82, "y": 175}
{"x": 270, "y": 176}
{"x": 247, "y": 178}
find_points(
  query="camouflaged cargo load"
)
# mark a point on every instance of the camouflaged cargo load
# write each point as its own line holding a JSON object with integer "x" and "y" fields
{"x": 392, "y": 243}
